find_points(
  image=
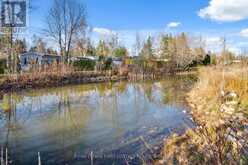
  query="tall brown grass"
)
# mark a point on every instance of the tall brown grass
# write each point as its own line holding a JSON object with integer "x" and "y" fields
{"x": 214, "y": 82}
{"x": 218, "y": 138}
{"x": 52, "y": 75}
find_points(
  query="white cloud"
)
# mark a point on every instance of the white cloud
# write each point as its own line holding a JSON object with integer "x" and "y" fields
{"x": 242, "y": 44}
{"x": 173, "y": 24}
{"x": 103, "y": 31}
{"x": 244, "y": 33}
{"x": 213, "y": 41}
{"x": 235, "y": 50}
{"x": 215, "y": 44}
{"x": 225, "y": 10}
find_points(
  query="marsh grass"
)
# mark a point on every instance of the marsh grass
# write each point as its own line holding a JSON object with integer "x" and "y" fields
{"x": 54, "y": 75}
{"x": 219, "y": 138}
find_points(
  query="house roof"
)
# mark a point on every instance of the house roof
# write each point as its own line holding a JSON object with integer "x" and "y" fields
{"x": 31, "y": 53}
{"x": 85, "y": 57}
{"x": 39, "y": 54}
{"x": 52, "y": 56}
{"x": 117, "y": 59}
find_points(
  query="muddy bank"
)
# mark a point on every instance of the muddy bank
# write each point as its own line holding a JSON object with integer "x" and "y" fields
{"x": 42, "y": 80}
{"x": 13, "y": 83}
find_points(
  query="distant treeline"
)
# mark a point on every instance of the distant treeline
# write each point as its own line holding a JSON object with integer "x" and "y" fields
{"x": 181, "y": 50}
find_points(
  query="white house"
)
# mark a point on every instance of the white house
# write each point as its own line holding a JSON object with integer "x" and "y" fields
{"x": 117, "y": 61}
{"x": 32, "y": 58}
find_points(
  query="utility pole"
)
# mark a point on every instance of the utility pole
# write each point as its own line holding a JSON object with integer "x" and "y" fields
{"x": 224, "y": 50}
{"x": 11, "y": 49}
{"x": 9, "y": 33}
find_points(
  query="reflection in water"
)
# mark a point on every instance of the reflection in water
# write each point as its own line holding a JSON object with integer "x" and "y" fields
{"x": 66, "y": 123}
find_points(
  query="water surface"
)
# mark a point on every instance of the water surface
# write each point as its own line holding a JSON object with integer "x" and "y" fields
{"x": 115, "y": 122}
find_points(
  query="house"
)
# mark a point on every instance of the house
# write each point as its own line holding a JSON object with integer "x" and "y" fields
{"x": 31, "y": 59}
{"x": 117, "y": 61}
{"x": 236, "y": 61}
{"x": 50, "y": 59}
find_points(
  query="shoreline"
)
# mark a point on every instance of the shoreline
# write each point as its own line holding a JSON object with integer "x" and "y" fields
{"x": 25, "y": 82}
{"x": 48, "y": 80}
{"x": 221, "y": 123}
{"x": 15, "y": 83}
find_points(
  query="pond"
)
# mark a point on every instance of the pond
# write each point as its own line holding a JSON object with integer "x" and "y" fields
{"x": 103, "y": 123}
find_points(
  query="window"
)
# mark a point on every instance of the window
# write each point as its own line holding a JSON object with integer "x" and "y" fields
{"x": 25, "y": 61}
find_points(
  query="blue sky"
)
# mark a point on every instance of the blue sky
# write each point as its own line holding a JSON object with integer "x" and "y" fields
{"x": 211, "y": 19}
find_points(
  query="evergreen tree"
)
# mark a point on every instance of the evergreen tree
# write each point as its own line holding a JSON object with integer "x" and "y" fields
{"x": 165, "y": 47}
{"x": 120, "y": 52}
{"x": 147, "y": 51}
{"x": 90, "y": 48}
{"x": 102, "y": 49}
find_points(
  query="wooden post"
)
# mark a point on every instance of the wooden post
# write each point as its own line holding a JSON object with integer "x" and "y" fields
{"x": 6, "y": 157}
{"x": 91, "y": 158}
{"x": 2, "y": 161}
{"x": 39, "y": 160}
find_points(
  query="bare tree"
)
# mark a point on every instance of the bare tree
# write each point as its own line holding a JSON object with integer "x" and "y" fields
{"x": 84, "y": 47}
{"x": 198, "y": 46}
{"x": 65, "y": 21}
{"x": 113, "y": 43}
{"x": 41, "y": 46}
{"x": 138, "y": 44}
{"x": 183, "y": 55}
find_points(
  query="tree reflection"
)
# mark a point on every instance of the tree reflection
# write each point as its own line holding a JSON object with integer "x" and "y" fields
{"x": 58, "y": 120}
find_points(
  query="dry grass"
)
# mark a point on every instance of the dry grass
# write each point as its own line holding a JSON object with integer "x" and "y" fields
{"x": 210, "y": 142}
{"x": 213, "y": 81}
{"x": 56, "y": 75}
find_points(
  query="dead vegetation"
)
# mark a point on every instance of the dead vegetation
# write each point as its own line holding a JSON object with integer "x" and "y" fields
{"x": 51, "y": 76}
{"x": 219, "y": 108}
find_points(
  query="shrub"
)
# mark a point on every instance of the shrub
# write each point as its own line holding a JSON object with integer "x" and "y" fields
{"x": 108, "y": 64}
{"x": 105, "y": 62}
{"x": 2, "y": 66}
{"x": 84, "y": 65}
{"x": 207, "y": 60}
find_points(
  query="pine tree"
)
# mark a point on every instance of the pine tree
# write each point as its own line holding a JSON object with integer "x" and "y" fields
{"x": 165, "y": 46}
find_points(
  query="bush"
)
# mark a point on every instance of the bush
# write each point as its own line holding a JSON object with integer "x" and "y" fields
{"x": 84, "y": 65}
{"x": 207, "y": 60}
{"x": 108, "y": 64}
{"x": 2, "y": 66}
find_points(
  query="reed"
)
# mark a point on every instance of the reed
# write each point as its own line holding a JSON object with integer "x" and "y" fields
{"x": 219, "y": 138}
{"x": 51, "y": 76}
